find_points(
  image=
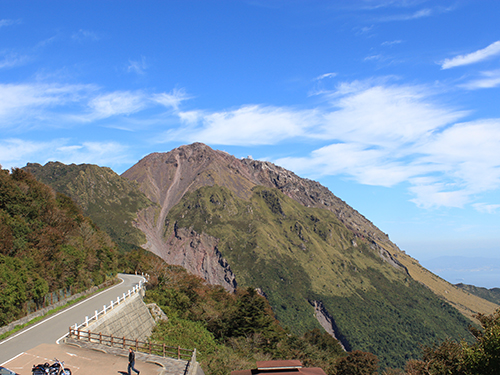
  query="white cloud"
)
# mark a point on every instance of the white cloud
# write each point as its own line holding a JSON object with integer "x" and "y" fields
{"x": 31, "y": 101}
{"x": 172, "y": 99}
{"x": 326, "y": 75}
{"x": 406, "y": 17}
{"x": 391, "y": 43}
{"x": 116, "y": 103}
{"x": 385, "y": 115}
{"x": 138, "y": 67}
{"x": 487, "y": 208}
{"x": 387, "y": 135}
{"x": 100, "y": 153}
{"x": 492, "y": 50}
{"x": 490, "y": 79}
{"x": 254, "y": 125}
{"x": 437, "y": 194}
{"x": 6, "y": 22}
{"x": 11, "y": 60}
{"x": 14, "y": 152}
{"x": 82, "y": 35}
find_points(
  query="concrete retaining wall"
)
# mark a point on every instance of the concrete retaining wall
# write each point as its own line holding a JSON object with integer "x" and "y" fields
{"x": 130, "y": 319}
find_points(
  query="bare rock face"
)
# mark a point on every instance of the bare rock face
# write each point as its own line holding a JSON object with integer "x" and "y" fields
{"x": 328, "y": 323}
{"x": 199, "y": 255}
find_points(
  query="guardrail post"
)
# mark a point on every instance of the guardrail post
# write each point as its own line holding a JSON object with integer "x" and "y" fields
{"x": 178, "y": 352}
{"x": 123, "y": 342}
{"x": 100, "y": 338}
{"x": 149, "y": 347}
{"x": 124, "y": 296}
{"x": 111, "y": 305}
{"x": 103, "y": 309}
{"x": 96, "y": 315}
{"x": 89, "y": 334}
{"x": 111, "y": 343}
{"x": 136, "y": 344}
{"x": 164, "y": 349}
{"x": 86, "y": 321}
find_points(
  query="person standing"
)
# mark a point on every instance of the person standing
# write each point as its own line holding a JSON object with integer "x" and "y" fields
{"x": 131, "y": 361}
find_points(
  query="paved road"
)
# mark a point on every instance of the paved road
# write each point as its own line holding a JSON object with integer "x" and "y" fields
{"x": 49, "y": 330}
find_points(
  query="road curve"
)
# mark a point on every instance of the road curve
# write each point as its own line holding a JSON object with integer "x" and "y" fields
{"x": 52, "y": 328}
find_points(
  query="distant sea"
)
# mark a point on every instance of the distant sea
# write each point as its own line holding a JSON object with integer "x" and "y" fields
{"x": 482, "y": 272}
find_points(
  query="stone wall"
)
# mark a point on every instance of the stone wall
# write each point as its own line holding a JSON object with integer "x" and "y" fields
{"x": 130, "y": 319}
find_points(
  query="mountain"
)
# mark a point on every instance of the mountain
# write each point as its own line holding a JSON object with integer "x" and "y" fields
{"x": 111, "y": 201}
{"x": 242, "y": 222}
{"x": 492, "y": 295}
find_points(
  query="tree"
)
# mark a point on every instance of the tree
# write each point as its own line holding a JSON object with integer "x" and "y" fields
{"x": 483, "y": 357}
{"x": 358, "y": 363}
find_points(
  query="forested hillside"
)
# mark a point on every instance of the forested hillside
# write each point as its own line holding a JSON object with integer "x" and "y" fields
{"x": 110, "y": 200}
{"x": 46, "y": 244}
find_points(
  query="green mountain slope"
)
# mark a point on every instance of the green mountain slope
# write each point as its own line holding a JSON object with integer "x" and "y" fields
{"x": 298, "y": 255}
{"x": 110, "y": 200}
{"x": 492, "y": 295}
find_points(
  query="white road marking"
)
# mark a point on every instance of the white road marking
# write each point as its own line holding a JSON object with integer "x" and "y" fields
{"x": 59, "y": 313}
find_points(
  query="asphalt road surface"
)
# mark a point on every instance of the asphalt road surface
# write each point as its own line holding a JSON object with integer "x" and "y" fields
{"x": 54, "y": 327}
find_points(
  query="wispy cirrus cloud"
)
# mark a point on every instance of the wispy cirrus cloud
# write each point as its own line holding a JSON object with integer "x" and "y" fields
{"x": 326, "y": 75}
{"x": 254, "y": 125}
{"x": 33, "y": 102}
{"x": 412, "y": 16}
{"x": 172, "y": 99}
{"x": 13, "y": 59}
{"x": 8, "y": 22}
{"x": 83, "y": 35}
{"x": 471, "y": 58}
{"x": 488, "y": 79}
{"x": 116, "y": 103}
{"x": 137, "y": 66}
{"x": 38, "y": 105}
{"x": 14, "y": 152}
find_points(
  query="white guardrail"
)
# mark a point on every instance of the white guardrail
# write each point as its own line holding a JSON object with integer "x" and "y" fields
{"x": 112, "y": 305}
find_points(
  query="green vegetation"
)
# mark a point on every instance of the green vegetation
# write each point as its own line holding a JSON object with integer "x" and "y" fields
{"x": 297, "y": 254}
{"x": 110, "y": 200}
{"x": 492, "y": 295}
{"x": 482, "y": 357}
{"x": 46, "y": 244}
{"x": 230, "y": 331}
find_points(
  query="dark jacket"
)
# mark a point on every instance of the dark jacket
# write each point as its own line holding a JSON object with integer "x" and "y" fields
{"x": 131, "y": 357}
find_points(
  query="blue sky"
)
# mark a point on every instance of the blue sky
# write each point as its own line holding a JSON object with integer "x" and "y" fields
{"x": 393, "y": 105}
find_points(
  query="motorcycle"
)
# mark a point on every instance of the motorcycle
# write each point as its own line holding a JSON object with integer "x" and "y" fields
{"x": 57, "y": 368}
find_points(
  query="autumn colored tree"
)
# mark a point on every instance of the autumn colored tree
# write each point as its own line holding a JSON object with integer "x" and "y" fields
{"x": 46, "y": 244}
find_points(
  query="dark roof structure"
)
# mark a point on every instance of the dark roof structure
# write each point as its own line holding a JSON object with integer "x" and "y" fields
{"x": 289, "y": 367}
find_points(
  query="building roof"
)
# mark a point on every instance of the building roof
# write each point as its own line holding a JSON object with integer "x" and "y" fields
{"x": 289, "y": 367}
